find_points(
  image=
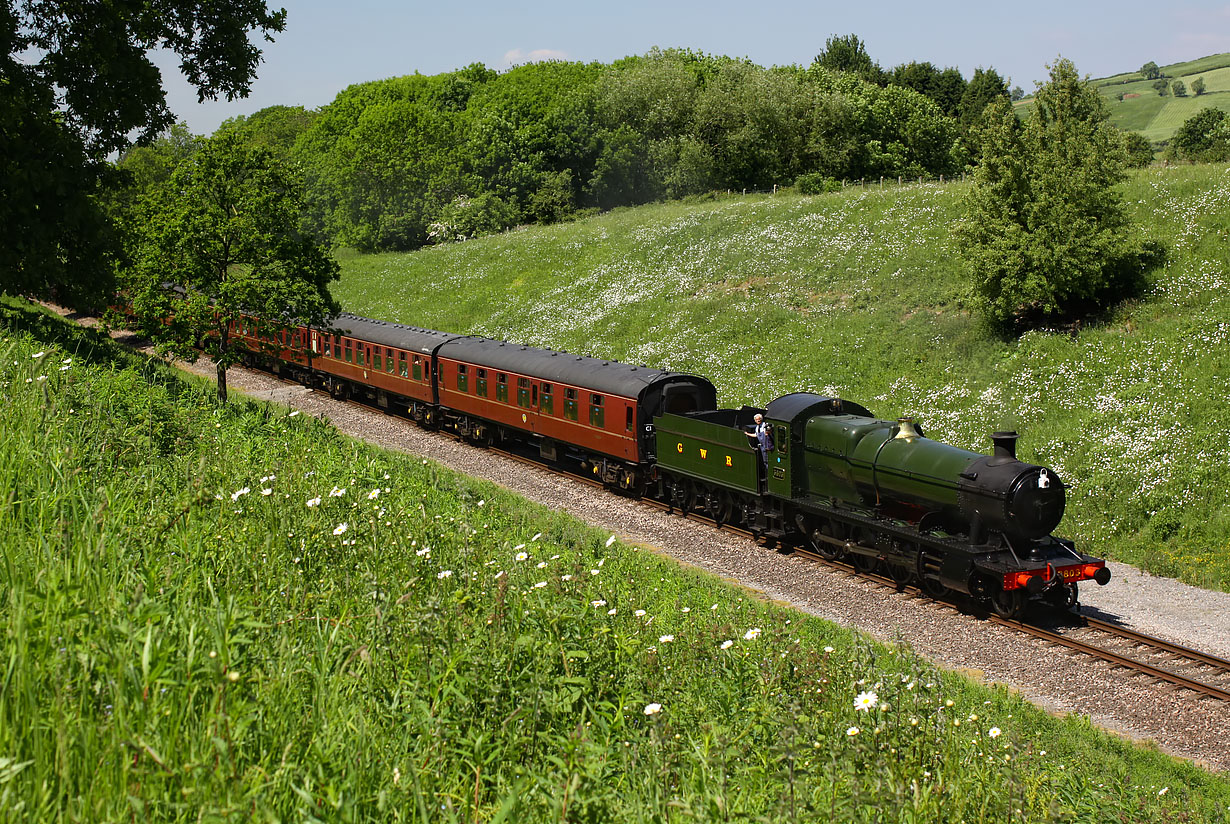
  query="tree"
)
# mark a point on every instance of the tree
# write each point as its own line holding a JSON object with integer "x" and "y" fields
{"x": 1150, "y": 71}
{"x": 1178, "y": 89}
{"x": 984, "y": 87}
{"x": 1139, "y": 150}
{"x": 1017, "y": 94}
{"x": 849, "y": 54}
{"x": 1161, "y": 87}
{"x": 1198, "y": 86}
{"x": 1205, "y": 136}
{"x": 78, "y": 85}
{"x": 1045, "y": 232}
{"x": 225, "y": 240}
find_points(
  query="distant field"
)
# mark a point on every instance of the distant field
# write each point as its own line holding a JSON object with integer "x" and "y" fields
{"x": 1152, "y": 115}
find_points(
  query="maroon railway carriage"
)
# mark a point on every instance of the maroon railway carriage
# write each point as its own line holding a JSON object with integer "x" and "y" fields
{"x": 388, "y": 363}
{"x": 599, "y": 412}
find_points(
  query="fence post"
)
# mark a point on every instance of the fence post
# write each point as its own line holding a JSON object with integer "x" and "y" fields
{"x": 881, "y": 181}
{"x": 898, "y": 180}
{"x": 745, "y": 191}
{"x": 774, "y": 188}
{"x": 941, "y": 180}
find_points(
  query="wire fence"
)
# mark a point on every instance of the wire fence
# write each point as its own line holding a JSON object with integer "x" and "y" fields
{"x": 880, "y": 182}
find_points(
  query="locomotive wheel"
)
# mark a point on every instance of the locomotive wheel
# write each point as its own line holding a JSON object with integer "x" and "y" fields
{"x": 864, "y": 564}
{"x": 1008, "y": 604}
{"x": 1063, "y": 597}
{"x": 932, "y": 588}
{"x": 681, "y": 496}
{"x": 827, "y": 551}
{"x": 901, "y": 575}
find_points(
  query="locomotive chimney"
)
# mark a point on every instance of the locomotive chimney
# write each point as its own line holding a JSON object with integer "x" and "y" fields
{"x": 906, "y": 429}
{"x": 1005, "y": 445}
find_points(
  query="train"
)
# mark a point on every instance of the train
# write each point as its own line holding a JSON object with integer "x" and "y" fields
{"x": 830, "y": 475}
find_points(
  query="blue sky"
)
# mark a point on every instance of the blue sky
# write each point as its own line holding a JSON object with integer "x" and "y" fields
{"x": 331, "y": 44}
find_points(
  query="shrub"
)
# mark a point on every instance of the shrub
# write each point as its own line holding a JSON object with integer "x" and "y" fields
{"x": 816, "y": 183}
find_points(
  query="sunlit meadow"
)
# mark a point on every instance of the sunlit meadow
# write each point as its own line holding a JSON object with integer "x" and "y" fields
{"x": 235, "y": 613}
{"x": 860, "y": 294}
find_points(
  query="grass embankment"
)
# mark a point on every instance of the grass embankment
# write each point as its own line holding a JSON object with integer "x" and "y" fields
{"x": 860, "y": 294}
{"x": 237, "y": 614}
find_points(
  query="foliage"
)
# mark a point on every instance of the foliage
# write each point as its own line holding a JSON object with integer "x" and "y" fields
{"x": 816, "y": 184}
{"x": 985, "y": 87}
{"x": 1139, "y": 150}
{"x": 245, "y": 616}
{"x": 1204, "y": 137}
{"x": 223, "y": 239}
{"x": 1161, "y": 87}
{"x": 847, "y": 53}
{"x": 1045, "y": 232}
{"x": 1150, "y": 71}
{"x": 1178, "y": 89}
{"x": 945, "y": 87}
{"x": 78, "y": 84}
{"x": 1198, "y": 86}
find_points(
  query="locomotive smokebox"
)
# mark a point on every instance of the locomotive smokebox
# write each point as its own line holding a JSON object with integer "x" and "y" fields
{"x": 1005, "y": 445}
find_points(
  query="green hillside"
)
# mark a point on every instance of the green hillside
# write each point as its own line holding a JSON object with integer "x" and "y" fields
{"x": 860, "y": 294}
{"x": 1141, "y": 109}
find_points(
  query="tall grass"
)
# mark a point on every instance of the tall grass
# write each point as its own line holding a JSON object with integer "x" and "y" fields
{"x": 234, "y": 613}
{"x": 861, "y": 294}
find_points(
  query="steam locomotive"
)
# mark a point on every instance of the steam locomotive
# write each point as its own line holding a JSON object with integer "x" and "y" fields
{"x": 878, "y": 493}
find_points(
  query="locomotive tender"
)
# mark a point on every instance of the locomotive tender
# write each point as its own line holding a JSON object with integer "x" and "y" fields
{"x": 878, "y": 493}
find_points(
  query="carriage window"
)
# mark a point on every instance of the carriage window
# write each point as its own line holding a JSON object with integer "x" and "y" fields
{"x": 328, "y": 347}
{"x": 388, "y": 360}
{"x": 376, "y": 360}
{"x": 628, "y": 419}
{"x": 781, "y": 439}
{"x": 418, "y": 368}
{"x": 315, "y": 344}
{"x": 463, "y": 380}
{"x": 349, "y": 353}
{"x": 523, "y": 392}
{"x": 480, "y": 382}
{"x": 401, "y": 364}
{"x": 361, "y": 354}
{"x": 570, "y": 404}
{"x": 501, "y": 387}
{"x": 547, "y": 404}
{"x": 596, "y": 416}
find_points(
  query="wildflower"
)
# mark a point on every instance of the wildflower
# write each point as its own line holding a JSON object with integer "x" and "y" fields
{"x": 293, "y": 414}
{"x": 233, "y": 676}
{"x": 640, "y": 613}
{"x": 751, "y": 634}
{"x": 828, "y": 649}
{"x": 565, "y": 577}
{"x": 37, "y": 355}
{"x": 446, "y": 573}
{"x": 66, "y": 367}
{"x": 593, "y": 572}
{"x": 611, "y": 611}
{"x": 374, "y": 494}
{"x": 238, "y": 492}
{"x": 727, "y": 644}
{"x": 341, "y": 528}
{"x": 852, "y": 731}
{"x": 714, "y": 607}
{"x": 610, "y": 540}
{"x": 994, "y": 732}
{"x": 865, "y": 701}
{"x": 537, "y": 535}
{"x": 542, "y": 564}
{"x": 521, "y": 556}
{"x": 665, "y": 639}
{"x": 653, "y": 709}
{"x": 266, "y": 492}
{"x": 499, "y": 575}
{"x": 396, "y": 776}
{"x": 598, "y": 603}
{"x": 540, "y": 585}
{"x": 482, "y": 503}
{"x": 518, "y": 546}
{"x": 336, "y": 492}
{"x": 422, "y": 552}
{"x": 686, "y": 610}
